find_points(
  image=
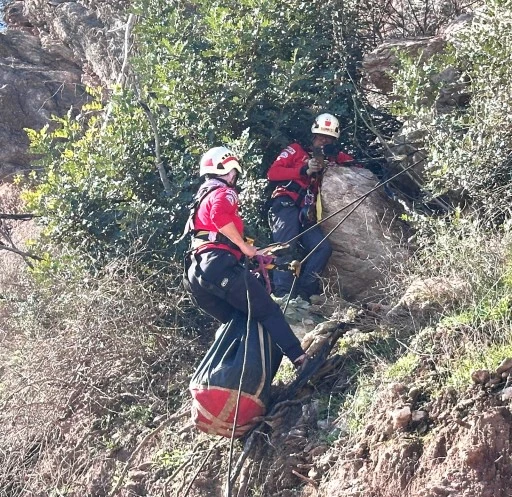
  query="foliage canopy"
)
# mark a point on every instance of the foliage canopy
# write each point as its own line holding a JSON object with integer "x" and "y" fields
{"x": 469, "y": 149}
{"x": 248, "y": 74}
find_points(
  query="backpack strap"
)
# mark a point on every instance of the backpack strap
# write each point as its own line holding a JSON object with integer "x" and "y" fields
{"x": 201, "y": 237}
{"x": 193, "y": 207}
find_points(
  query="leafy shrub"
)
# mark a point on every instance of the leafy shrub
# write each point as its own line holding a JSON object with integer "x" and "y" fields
{"x": 248, "y": 74}
{"x": 469, "y": 149}
{"x": 403, "y": 367}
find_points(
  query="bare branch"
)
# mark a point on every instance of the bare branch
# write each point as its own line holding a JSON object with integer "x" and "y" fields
{"x": 25, "y": 255}
{"x": 305, "y": 478}
{"x": 18, "y": 217}
{"x": 159, "y": 163}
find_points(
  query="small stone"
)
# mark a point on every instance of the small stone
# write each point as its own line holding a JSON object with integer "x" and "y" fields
{"x": 317, "y": 299}
{"x": 401, "y": 417}
{"x": 505, "y": 365}
{"x": 414, "y": 393}
{"x": 481, "y": 376}
{"x": 506, "y": 394}
{"x": 418, "y": 416}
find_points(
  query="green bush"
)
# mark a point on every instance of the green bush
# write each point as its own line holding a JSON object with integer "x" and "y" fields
{"x": 247, "y": 74}
{"x": 470, "y": 148}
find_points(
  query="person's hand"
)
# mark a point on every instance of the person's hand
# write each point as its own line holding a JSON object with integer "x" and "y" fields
{"x": 300, "y": 362}
{"x": 249, "y": 250}
{"x": 314, "y": 166}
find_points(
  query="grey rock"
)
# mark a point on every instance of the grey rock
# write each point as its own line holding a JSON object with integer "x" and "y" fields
{"x": 365, "y": 242}
{"x": 36, "y": 82}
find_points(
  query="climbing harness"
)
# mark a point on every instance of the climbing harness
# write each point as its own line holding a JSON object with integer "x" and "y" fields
{"x": 202, "y": 237}
{"x": 193, "y": 207}
{"x": 264, "y": 264}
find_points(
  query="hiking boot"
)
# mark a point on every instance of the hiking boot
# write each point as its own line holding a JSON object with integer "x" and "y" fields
{"x": 280, "y": 300}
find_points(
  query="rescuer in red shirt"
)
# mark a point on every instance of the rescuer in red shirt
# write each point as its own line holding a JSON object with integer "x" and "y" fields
{"x": 297, "y": 176}
{"x": 214, "y": 274}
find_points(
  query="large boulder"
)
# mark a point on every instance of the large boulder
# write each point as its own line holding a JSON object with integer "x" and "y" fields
{"x": 37, "y": 80}
{"x": 369, "y": 239}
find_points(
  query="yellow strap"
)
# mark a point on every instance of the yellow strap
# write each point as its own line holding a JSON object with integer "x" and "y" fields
{"x": 319, "y": 205}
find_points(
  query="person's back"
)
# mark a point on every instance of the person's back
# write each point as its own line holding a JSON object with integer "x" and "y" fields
{"x": 214, "y": 275}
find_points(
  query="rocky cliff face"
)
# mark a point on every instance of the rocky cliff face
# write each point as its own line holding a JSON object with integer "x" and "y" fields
{"x": 92, "y": 29}
{"x": 50, "y": 52}
{"x": 36, "y": 82}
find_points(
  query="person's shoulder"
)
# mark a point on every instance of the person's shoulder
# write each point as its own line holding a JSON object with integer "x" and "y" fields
{"x": 291, "y": 149}
{"x": 297, "y": 147}
{"x": 227, "y": 192}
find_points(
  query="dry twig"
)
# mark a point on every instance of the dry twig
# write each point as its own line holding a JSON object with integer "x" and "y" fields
{"x": 184, "y": 411}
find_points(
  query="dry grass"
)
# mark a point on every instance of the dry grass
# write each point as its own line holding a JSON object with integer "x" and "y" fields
{"x": 87, "y": 368}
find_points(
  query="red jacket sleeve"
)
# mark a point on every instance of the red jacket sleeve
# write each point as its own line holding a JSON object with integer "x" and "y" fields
{"x": 224, "y": 207}
{"x": 288, "y": 164}
{"x": 343, "y": 157}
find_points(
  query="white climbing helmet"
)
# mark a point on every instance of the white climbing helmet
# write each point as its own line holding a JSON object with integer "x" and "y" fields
{"x": 326, "y": 124}
{"x": 219, "y": 161}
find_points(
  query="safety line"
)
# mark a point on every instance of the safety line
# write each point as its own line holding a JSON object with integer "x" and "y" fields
{"x": 239, "y": 395}
{"x": 318, "y": 223}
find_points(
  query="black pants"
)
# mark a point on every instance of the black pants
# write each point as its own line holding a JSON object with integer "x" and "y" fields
{"x": 220, "y": 284}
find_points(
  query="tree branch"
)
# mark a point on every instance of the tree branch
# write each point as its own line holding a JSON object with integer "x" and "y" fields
{"x": 25, "y": 255}
{"x": 18, "y": 217}
{"x": 159, "y": 162}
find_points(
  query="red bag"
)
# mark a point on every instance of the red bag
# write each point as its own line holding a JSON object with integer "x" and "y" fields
{"x": 214, "y": 385}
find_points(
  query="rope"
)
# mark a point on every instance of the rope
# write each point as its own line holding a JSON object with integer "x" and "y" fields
{"x": 239, "y": 395}
{"x": 362, "y": 197}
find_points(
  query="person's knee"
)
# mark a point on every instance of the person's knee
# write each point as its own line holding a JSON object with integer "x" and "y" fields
{"x": 324, "y": 250}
